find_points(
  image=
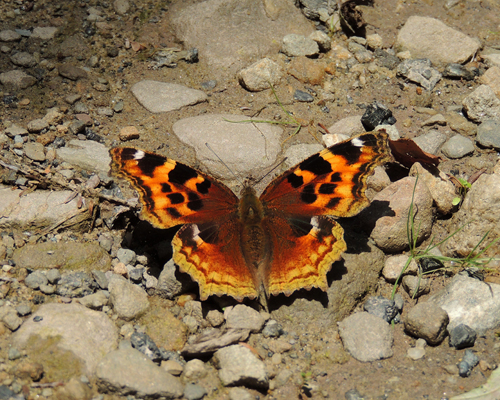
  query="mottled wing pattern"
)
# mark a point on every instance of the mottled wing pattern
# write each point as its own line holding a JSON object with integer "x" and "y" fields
{"x": 300, "y": 205}
{"x": 304, "y": 250}
{"x": 332, "y": 182}
{"x": 172, "y": 193}
{"x": 211, "y": 254}
{"x": 208, "y": 246}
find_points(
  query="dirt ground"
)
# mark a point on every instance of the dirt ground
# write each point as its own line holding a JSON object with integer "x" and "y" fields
{"x": 320, "y": 360}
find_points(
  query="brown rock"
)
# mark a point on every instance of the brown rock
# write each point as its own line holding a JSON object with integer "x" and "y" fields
{"x": 307, "y": 70}
{"x": 129, "y": 133}
{"x": 427, "y": 321}
{"x": 72, "y": 72}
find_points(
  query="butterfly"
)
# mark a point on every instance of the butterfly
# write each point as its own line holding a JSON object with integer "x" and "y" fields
{"x": 282, "y": 241}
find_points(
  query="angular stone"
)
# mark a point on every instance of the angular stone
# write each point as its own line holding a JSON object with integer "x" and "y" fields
{"x": 430, "y": 38}
{"x": 159, "y": 97}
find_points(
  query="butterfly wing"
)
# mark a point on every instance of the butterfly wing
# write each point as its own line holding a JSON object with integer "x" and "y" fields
{"x": 304, "y": 250}
{"x": 332, "y": 182}
{"x": 299, "y": 204}
{"x": 172, "y": 193}
{"x": 208, "y": 246}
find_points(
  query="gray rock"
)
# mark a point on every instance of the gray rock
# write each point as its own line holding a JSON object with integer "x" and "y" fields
{"x": 458, "y": 71}
{"x": 212, "y": 340}
{"x": 482, "y": 104}
{"x": 53, "y": 275}
{"x": 168, "y": 284}
{"x": 244, "y": 317}
{"x": 8, "y": 35}
{"x": 366, "y": 337}
{"x": 441, "y": 188}
{"x": 11, "y": 320}
{"x": 14, "y": 354}
{"x": 462, "y": 336}
{"x": 23, "y": 310}
{"x": 77, "y": 284}
{"x": 129, "y": 301}
{"x": 348, "y": 126}
{"x": 427, "y": 321}
{"x": 458, "y": 146}
{"x": 228, "y": 40}
{"x": 15, "y": 130}
{"x": 44, "y": 33}
{"x": 261, "y": 75}
{"x": 469, "y": 361}
{"x": 390, "y": 230}
{"x": 37, "y": 125}
{"x": 231, "y": 139}
{"x": 72, "y": 98}
{"x": 105, "y": 111}
{"x": 298, "y": 45}
{"x": 437, "y": 119}
{"x": 416, "y": 353}
{"x": 483, "y": 199}
{"x": 85, "y": 334}
{"x": 416, "y": 286}
{"x": 194, "y": 371}
{"x": 215, "y": 318}
{"x": 431, "y": 141}
{"x": 460, "y": 124}
{"x": 381, "y": 307}
{"x": 193, "y": 391}
{"x": 272, "y": 329}
{"x": 126, "y": 256}
{"x": 394, "y": 267}
{"x": 35, "y": 280}
{"x": 100, "y": 279}
{"x": 94, "y": 301}
{"x": 72, "y": 72}
{"x": 16, "y": 80}
{"x": 420, "y": 71}
{"x": 121, "y": 6}
{"x": 23, "y": 59}
{"x": 129, "y": 372}
{"x": 86, "y": 154}
{"x": 430, "y": 38}
{"x": 488, "y": 134}
{"x": 80, "y": 108}
{"x": 163, "y": 97}
{"x": 324, "y": 41}
{"x": 34, "y": 151}
{"x": 238, "y": 366}
{"x": 470, "y": 302}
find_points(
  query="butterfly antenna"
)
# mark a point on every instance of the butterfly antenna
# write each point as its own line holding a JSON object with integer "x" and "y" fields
{"x": 276, "y": 166}
{"x": 223, "y": 163}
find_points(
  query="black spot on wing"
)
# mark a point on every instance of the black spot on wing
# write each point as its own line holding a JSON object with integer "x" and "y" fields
{"x": 295, "y": 180}
{"x": 307, "y": 195}
{"x": 336, "y": 177}
{"x": 327, "y": 188}
{"x": 166, "y": 188}
{"x": 194, "y": 202}
{"x": 176, "y": 198}
{"x": 149, "y": 163}
{"x": 316, "y": 164}
{"x": 334, "y": 201}
{"x": 181, "y": 174}
{"x": 204, "y": 186}
{"x": 173, "y": 212}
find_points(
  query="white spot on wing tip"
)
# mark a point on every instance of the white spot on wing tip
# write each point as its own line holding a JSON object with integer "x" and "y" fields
{"x": 357, "y": 142}
{"x": 139, "y": 155}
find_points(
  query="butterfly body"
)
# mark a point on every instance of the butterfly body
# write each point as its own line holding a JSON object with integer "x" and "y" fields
{"x": 279, "y": 242}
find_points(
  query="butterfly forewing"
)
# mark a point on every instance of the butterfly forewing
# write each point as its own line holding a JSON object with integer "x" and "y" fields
{"x": 172, "y": 193}
{"x": 332, "y": 182}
